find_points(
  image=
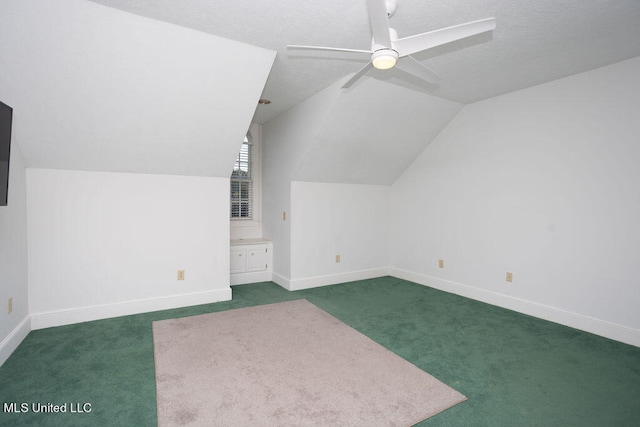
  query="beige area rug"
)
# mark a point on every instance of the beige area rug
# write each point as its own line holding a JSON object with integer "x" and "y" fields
{"x": 285, "y": 364}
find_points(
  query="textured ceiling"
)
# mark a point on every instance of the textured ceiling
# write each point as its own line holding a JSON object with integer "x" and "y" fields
{"x": 534, "y": 42}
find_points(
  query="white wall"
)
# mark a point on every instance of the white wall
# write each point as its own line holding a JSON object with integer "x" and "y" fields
{"x": 543, "y": 183}
{"x": 286, "y": 139}
{"x": 338, "y": 219}
{"x": 106, "y": 244}
{"x": 13, "y": 258}
{"x": 320, "y": 140}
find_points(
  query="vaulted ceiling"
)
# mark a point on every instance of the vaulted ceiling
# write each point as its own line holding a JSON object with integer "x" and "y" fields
{"x": 534, "y": 42}
{"x": 371, "y": 135}
{"x": 99, "y": 88}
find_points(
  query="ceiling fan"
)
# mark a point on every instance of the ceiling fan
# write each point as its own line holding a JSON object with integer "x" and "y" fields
{"x": 388, "y": 51}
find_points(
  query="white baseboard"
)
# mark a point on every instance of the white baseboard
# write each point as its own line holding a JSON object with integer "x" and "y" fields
{"x": 332, "y": 279}
{"x": 252, "y": 277}
{"x": 278, "y": 279}
{"x": 578, "y": 321}
{"x": 13, "y": 340}
{"x": 85, "y": 314}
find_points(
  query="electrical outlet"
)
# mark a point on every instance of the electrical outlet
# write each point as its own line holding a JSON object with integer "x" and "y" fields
{"x": 180, "y": 274}
{"x": 509, "y": 276}
{"x": 337, "y": 258}
{"x": 9, "y": 305}
{"x": 440, "y": 263}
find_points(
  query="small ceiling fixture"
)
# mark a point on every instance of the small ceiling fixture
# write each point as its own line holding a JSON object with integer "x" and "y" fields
{"x": 384, "y": 59}
{"x": 264, "y": 101}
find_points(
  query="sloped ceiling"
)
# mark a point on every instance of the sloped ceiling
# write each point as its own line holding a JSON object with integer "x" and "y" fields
{"x": 368, "y": 135}
{"x": 372, "y": 134}
{"x": 95, "y": 88}
{"x": 536, "y": 41}
{"x": 373, "y": 130}
{"x": 102, "y": 89}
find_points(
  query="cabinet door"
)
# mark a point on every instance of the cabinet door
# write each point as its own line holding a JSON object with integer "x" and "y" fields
{"x": 238, "y": 260}
{"x": 256, "y": 259}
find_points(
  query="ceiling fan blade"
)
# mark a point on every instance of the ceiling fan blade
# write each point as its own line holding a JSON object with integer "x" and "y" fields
{"x": 379, "y": 24}
{"x": 334, "y": 49}
{"x": 408, "y": 45}
{"x": 361, "y": 72}
{"x": 414, "y": 67}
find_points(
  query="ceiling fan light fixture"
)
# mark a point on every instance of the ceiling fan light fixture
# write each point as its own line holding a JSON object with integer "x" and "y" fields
{"x": 384, "y": 59}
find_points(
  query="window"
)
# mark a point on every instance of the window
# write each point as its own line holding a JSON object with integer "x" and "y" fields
{"x": 242, "y": 184}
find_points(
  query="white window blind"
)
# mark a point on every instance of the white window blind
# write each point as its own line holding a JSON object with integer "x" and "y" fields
{"x": 242, "y": 184}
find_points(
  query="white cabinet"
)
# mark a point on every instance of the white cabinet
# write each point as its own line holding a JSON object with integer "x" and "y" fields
{"x": 257, "y": 259}
{"x": 251, "y": 261}
{"x": 238, "y": 260}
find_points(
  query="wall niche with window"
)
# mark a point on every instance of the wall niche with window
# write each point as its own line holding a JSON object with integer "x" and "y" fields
{"x": 246, "y": 188}
{"x": 251, "y": 255}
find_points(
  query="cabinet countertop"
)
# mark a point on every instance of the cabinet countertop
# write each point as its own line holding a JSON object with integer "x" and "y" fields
{"x": 240, "y": 242}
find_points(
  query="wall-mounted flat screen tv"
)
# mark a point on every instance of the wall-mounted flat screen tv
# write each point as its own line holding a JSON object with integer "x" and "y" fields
{"x": 6, "y": 117}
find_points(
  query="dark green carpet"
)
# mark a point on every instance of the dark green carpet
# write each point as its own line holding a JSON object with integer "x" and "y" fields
{"x": 514, "y": 369}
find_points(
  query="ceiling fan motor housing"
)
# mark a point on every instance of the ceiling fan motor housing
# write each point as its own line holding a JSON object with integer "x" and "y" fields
{"x": 391, "y": 5}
